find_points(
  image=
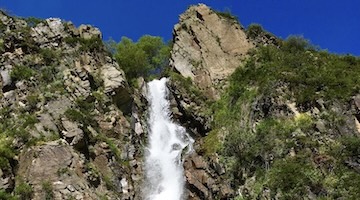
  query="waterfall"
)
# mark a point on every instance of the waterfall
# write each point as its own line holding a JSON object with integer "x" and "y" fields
{"x": 167, "y": 140}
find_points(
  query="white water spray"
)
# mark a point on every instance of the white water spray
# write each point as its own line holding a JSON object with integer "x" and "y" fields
{"x": 163, "y": 164}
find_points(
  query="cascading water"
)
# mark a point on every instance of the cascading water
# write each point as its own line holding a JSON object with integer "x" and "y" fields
{"x": 167, "y": 140}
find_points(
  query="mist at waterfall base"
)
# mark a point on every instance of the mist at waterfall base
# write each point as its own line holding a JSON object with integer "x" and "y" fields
{"x": 164, "y": 173}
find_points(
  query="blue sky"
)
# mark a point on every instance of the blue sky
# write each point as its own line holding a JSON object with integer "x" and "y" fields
{"x": 331, "y": 24}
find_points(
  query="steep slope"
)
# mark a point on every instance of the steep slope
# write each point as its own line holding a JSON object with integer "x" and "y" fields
{"x": 285, "y": 127}
{"x": 208, "y": 46}
{"x": 69, "y": 128}
{"x": 271, "y": 118}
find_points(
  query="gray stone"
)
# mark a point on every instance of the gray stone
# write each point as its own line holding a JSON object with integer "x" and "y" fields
{"x": 88, "y": 32}
{"x": 113, "y": 78}
{"x": 5, "y": 76}
{"x": 72, "y": 131}
{"x": 207, "y": 47}
{"x": 58, "y": 107}
{"x": 138, "y": 128}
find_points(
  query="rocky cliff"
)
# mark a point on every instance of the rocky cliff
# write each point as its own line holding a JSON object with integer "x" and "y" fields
{"x": 271, "y": 118}
{"x": 69, "y": 122}
{"x": 208, "y": 46}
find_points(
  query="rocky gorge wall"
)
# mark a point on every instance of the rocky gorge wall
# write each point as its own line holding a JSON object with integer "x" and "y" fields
{"x": 73, "y": 128}
{"x": 70, "y": 126}
{"x": 208, "y": 47}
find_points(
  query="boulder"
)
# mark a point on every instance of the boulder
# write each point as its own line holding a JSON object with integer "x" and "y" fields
{"x": 72, "y": 133}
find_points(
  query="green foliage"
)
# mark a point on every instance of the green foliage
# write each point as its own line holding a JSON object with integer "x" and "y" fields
{"x": 49, "y": 56}
{"x": 293, "y": 176}
{"x": 82, "y": 113}
{"x": 7, "y": 152}
{"x": 212, "y": 143}
{"x": 62, "y": 171}
{"x": 287, "y": 154}
{"x": 33, "y": 21}
{"x": 6, "y": 196}
{"x": 48, "y": 189}
{"x": 73, "y": 114}
{"x": 21, "y": 72}
{"x": 254, "y": 30}
{"x": 48, "y": 74}
{"x": 351, "y": 146}
{"x": 228, "y": 15}
{"x": 26, "y": 41}
{"x": 149, "y": 55}
{"x": 2, "y": 46}
{"x": 24, "y": 191}
{"x": 32, "y": 100}
{"x": 90, "y": 45}
{"x": 109, "y": 183}
{"x": 310, "y": 74}
{"x": 2, "y": 27}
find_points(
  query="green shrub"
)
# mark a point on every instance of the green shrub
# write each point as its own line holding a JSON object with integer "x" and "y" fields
{"x": 7, "y": 152}
{"x": 32, "y": 100}
{"x": 254, "y": 30}
{"x": 49, "y": 56}
{"x": 2, "y": 46}
{"x": 48, "y": 189}
{"x": 293, "y": 176}
{"x": 72, "y": 41}
{"x": 6, "y": 196}
{"x": 33, "y": 21}
{"x": 92, "y": 44}
{"x": 74, "y": 115}
{"x": 48, "y": 74}
{"x": 24, "y": 191}
{"x": 212, "y": 144}
{"x": 228, "y": 15}
{"x": 310, "y": 74}
{"x": 2, "y": 27}
{"x": 114, "y": 149}
{"x": 295, "y": 44}
{"x": 21, "y": 72}
{"x": 351, "y": 146}
{"x": 149, "y": 55}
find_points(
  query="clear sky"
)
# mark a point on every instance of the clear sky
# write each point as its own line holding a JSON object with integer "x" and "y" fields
{"x": 331, "y": 24}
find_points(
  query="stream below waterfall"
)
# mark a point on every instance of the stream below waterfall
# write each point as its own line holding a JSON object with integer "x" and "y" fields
{"x": 164, "y": 173}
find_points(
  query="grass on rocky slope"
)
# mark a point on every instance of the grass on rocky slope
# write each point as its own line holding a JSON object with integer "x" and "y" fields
{"x": 286, "y": 154}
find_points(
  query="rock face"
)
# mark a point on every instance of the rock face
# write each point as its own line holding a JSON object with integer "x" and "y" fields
{"x": 208, "y": 47}
{"x": 70, "y": 127}
{"x": 56, "y": 164}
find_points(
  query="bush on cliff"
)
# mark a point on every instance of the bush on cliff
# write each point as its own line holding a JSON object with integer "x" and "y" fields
{"x": 149, "y": 55}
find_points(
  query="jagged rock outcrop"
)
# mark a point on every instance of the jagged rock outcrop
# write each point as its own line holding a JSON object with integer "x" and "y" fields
{"x": 56, "y": 170}
{"x": 208, "y": 47}
{"x": 66, "y": 112}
